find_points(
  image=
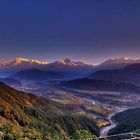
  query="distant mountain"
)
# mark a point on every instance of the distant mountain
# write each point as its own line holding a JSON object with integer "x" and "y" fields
{"x": 101, "y": 85}
{"x": 21, "y": 62}
{"x": 8, "y": 67}
{"x": 116, "y": 63}
{"x": 72, "y": 68}
{"x": 132, "y": 69}
{"x": 37, "y": 75}
{"x": 69, "y": 62}
{"x": 11, "y": 82}
{"x": 25, "y": 116}
{"x": 27, "y": 63}
{"x": 129, "y": 74}
{"x": 68, "y": 65}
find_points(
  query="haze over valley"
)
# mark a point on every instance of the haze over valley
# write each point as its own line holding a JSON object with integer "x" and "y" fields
{"x": 78, "y": 89}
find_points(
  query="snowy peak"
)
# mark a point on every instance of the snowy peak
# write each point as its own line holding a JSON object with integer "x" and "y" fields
{"x": 32, "y": 61}
{"x": 21, "y": 63}
{"x": 69, "y": 62}
{"x": 117, "y": 63}
{"x": 64, "y": 61}
{"x": 122, "y": 60}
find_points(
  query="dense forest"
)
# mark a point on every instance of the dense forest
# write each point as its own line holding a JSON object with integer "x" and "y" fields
{"x": 27, "y": 116}
{"x": 127, "y": 121}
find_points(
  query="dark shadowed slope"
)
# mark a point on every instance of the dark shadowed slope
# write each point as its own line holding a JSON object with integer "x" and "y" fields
{"x": 129, "y": 74}
{"x": 118, "y": 63}
{"x": 37, "y": 75}
{"x": 11, "y": 82}
{"x": 57, "y": 74}
{"x": 92, "y": 84}
{"x": 127, "y": 121}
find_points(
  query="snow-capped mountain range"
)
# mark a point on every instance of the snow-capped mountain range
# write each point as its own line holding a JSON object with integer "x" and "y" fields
{"x": 24, "y": 63}
{"x": 20, "y": 62}
{"x": 64, "y": 67}
{"x": 120, "y": 60}
{"x": 67, "y": 61}
{"x": 117, "y": 63}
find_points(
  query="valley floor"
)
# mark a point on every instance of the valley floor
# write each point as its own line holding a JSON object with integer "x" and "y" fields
{"x": 97, "y": 105}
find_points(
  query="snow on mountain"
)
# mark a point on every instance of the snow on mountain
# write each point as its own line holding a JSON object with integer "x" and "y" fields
{"x": 117, "y": 63}
{"x": 10, "y": 67}
{"x": 120, "y": 60}
{"x": 21, "y": 62}
{"x": 32, "y": 61}
{"x": 69, "y": 62}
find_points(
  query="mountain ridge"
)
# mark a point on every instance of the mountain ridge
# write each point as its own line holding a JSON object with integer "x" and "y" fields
{"x": 19, "y": 61}
{"x": 101, "y": 85}
{"x": 116, "y": 63}
{"x": 128, "y": 74}
{"x": 64, "y": 65}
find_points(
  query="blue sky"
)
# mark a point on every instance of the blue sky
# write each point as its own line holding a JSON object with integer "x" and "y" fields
{"x": 91, "y": 30}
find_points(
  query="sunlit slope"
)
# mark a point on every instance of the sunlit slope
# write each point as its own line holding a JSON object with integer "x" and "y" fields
{"x": 24, "y": 115}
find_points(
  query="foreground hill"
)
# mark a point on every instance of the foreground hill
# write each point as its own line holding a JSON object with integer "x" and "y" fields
{"x": 129, "y": 74}
{"x": 93, "y": 84}
{"x": 27, "y": 116}
{"x": 127, "y": 121}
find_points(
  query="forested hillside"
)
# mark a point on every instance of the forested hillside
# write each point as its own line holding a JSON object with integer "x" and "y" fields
{"x": 27, "y": 116}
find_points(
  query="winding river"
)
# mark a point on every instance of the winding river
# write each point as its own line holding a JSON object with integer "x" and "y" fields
{"x": 105, "y": 130}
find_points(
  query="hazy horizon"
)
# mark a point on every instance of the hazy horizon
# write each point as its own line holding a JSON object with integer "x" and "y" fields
{"x": 10, "y": 59}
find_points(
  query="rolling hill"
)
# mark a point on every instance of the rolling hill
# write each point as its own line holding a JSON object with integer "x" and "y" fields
{"x": 25, "y": 116}
{"x": 101, "y": 85}
{"x": 127, "y": 122}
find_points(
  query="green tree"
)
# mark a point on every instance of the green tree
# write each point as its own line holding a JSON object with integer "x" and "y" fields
{"x": 81, "y": 135}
